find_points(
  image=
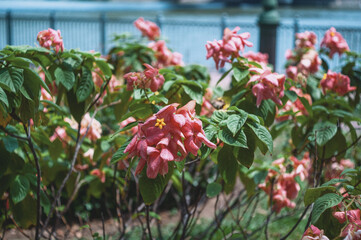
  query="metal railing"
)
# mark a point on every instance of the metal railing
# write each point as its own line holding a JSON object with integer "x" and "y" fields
{"x": 93, "y": 31}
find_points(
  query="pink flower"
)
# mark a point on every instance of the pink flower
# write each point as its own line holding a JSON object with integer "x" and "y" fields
{"x": 148, "y": 28}
{"x": 335, "y": 168}
{"x": 296, "y": 107}
{"x": 230, "y": 46}
{"x": 306, "y": 40}
{"x": 164, "y": 56}
{"x": 149, "y": 78}
{"x": 99, "y": 174}
{"x": 51, "y": 38}
{"x": 285, "y": 187}
{"x": 334, "y": 42}
{"x": 301, "y": 167}
{"x": 270, "y": 85}
{"x": 169, "y": 135}
{"x": 336, "y": 82}
{"x": 90, "y": 154}
{"x": 309, "y": 63}
{"x": 353, "y": 228}
{"x": 124, "y": 123}
{"x": 313, "y": 233}
{"x": 256, "y": 57}
{"x": 95, "y": 129}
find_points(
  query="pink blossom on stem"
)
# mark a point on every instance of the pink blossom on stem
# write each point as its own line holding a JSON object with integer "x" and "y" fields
{"x": 229, "y": 47}
{"x": 95, "y": 129}
{"x": 269, "y": 85}
{"x": 334, "y": 42}
{"x": 353, "y": 229}
{"x": 51, "y": 39}
{"x": 164, "y": 56}
{"x": 99, "y": 174}
{"x": 169, "y": 135}
{"x": 149, "y": 78}
{"x": 148, "y": 28}
{"x": 313, "y": 233}
{"x": 256, "y": 57}
{"x": 335, "y": 168}
{"x": 336, "y": 82}
{"x": 306, "y": 40}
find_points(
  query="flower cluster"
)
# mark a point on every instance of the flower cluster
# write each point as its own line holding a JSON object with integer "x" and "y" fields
{"x": 334, "y": 42}
{"x": 303, "y": 59}
{"x": 336, "y": 82}
{"x": 296, "y": 107}
{"x": 334, "y": 168}
{"x": 230, "y": 46}
{"x": 285, "y": 187}
{"x": 94, "y": 132}
{"x": 149, "y": 78}
{"x": 353, "y": 229}
{"x": 164, "y": 56}
{"x": 51, "y": 38}
{"x": 269, "y": 85}
{"x": 306, "y": 40}
{"x": 313, "y": 233}
{"x": 148, "y": 28}
{"x": 168, "y": 135}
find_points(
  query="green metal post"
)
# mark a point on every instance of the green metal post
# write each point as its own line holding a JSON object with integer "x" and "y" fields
{"x": 268, "y": 22}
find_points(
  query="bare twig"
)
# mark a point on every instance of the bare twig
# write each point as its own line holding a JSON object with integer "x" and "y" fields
{"x": 38, "y": 182}
{"x": 12, "y": 134}
{"x": 148, "y": 222}
{"x": 269, "y": 215}
{"x": 298, "y": 222}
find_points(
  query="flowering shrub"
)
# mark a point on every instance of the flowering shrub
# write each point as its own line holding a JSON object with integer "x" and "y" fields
{"x": 136, "y": 131}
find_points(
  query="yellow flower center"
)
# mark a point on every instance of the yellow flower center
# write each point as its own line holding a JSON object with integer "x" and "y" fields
{"x": 160, "y": 123}
{"x": 324, "y": 76}
{"x": 156, "y": 93}
{"x": 332, "y": 34}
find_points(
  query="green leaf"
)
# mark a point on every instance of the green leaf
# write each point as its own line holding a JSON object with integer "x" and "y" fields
{"x": 76, "y": 109}
{"x": 291, "y": 95}
{"x": 31, "y": 74}
{"x": 3, "y": 97}
{"x": 119, "y": 154}
{"x": 213, "y": 189}
{"x": 219, "y": 116}
{"x": 324, "y": 131}
{"x": 10, "y": 143}
{"x": 312, "y": 194}
{"x": 151, "y": 189}
{"x": 11, "y": 79}
{"x": 210, "y": 131}
{"x": 194, "y": 92}
{"x": 44, "y": 202}
{"x": 25, "y": 212}
{"x": 86, "y": 85}
{"x": 65, "y": 77}
{"x": 262, "y": 134}
{"x": 321, "y": 204}
{"x": 245, "y": 156}
{"x": 228, "y": 166}
{"x": 104, "y": 67}
{"x": 236, "y": 122}
{"x": 56, "y": 149}
{"x": 19, "y": 188}
{"x": 240, "y": 140}
{"x": 334, "y": 181}
{"x": 240, "y": 75}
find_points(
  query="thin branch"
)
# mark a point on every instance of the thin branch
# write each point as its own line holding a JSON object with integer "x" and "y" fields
{"x": 148, "y": 222}
{"x": 13, "y": 135}
{"x": 298, "y": 222}
{"x": 269, "y": 215}
{"x": 103, "y": 225}
{"x": 38, "y": 182}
